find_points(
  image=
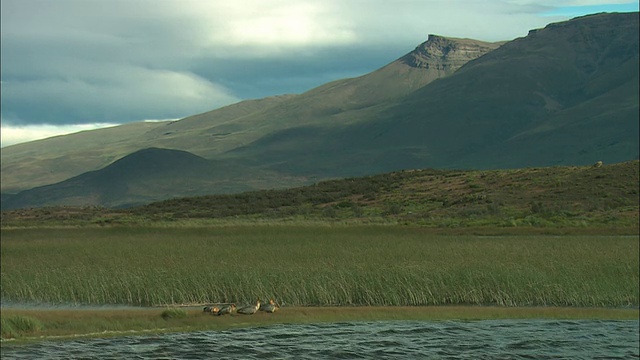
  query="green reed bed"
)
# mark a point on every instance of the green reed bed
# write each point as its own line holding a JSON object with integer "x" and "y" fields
{"x": 315, "y": 265}
{"x": 16, "y": 325}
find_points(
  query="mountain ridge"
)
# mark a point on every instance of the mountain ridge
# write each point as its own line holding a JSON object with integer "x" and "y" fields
{"x": 566, "y": 94}
{"x": 211, "y": 133}
{"x": 528, "y": 89}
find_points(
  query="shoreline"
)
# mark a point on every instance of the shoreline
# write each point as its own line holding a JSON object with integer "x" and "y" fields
{"x": 67, "y": 324}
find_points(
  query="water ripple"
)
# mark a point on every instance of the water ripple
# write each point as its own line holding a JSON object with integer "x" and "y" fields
{"x": 488, "y": 339}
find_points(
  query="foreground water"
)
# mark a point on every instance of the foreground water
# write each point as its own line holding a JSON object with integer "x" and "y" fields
{"x": 488, "y": 339}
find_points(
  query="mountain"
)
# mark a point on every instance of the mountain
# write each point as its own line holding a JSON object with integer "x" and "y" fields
{"x": 215, "y": 132}
{"x": 566, "y": 94}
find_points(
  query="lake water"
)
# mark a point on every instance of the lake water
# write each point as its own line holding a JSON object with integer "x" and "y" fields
{"x": 487, "y": 339}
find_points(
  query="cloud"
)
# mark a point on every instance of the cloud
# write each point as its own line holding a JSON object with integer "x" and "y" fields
{"x": 108, "y": 92}
{"x": 577, "y": 8}
{"x": 75, "y": 61}
{"x": 10, "y": 134}
{"x": 279, "y": 24}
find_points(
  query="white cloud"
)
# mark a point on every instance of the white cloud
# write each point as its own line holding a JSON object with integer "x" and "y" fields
{"x": 114, "y": 92}
{"x": 158, "y": 120}
{"x": 280, "y": 24}
{"x": 11, "y": 135}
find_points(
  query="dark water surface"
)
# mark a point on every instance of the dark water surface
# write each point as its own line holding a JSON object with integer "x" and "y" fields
{"x": 487, "y": 339}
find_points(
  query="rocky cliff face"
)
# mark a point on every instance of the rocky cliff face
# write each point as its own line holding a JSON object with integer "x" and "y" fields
{"x": 447, "y": 54}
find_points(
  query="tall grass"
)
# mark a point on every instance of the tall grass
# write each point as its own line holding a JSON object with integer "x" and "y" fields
{"x": 315, "y": 265}
{"x": 19, "y": 325}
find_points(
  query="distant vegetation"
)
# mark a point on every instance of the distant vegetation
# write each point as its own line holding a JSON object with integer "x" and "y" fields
{"x": 587, "y": 196}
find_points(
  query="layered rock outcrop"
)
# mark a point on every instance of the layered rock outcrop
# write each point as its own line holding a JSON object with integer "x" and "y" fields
{"x": 447, "y": 54}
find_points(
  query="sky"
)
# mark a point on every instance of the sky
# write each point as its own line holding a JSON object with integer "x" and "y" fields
{"x": 72, "y": 65}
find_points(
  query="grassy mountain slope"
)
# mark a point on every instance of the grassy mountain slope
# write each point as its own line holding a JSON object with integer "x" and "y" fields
{"x": 568, "y": 196}
{"x": 339, "y": 102}
{"x": 565, "y": 94}
{"x": 215, "y": 132}
{"x": 55, "y": 159}
{"x": 436, "y": 58}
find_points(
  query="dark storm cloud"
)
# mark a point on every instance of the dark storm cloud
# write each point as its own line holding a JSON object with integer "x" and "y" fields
{"x": 98, "y": 64}
{"x": 255, "y": 78}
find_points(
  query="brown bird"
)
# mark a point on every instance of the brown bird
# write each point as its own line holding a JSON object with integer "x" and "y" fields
{"x": 211, "y": 309}
{"x": 249, "y": 310}
{"x": 271, "y": 307}
{"x": 227, "y": 309}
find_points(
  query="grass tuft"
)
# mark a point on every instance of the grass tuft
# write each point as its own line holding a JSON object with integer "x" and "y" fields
{"x": 173, "y": 313}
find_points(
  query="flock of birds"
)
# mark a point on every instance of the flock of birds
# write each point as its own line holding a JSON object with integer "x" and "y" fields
{"x": 228, "y": 309}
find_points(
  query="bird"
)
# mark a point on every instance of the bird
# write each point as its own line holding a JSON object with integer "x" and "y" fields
{"x": 211, "y": 309}
{"x": 226, "y": 309}
{"x": 271, "y": 307}
{"x": 249, "y": 310}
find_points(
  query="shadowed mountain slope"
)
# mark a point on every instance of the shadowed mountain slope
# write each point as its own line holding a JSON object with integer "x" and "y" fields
{"x": 436, "y": 58}
{"x": 566, "y": 94}
{"x": 215, "y": 132}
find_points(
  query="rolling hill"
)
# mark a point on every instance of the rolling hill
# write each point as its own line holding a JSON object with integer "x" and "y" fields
{"x": 566, "y": 198}
{"x": 144, "y": 176}
{"x": 566, "y": 94}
